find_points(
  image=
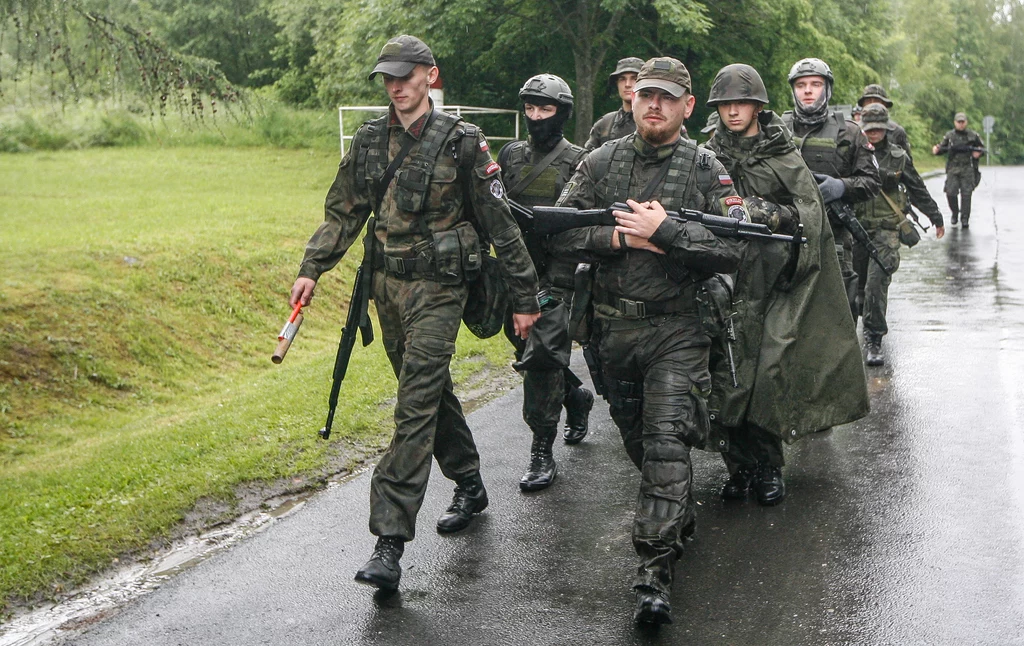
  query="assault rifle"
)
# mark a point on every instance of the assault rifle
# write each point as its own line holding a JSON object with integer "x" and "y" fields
{"x": 358, "y": 318}
{"x": 843, "y": 213}
{"x": 964, "y": 148}
{"x": 549, "y": 220}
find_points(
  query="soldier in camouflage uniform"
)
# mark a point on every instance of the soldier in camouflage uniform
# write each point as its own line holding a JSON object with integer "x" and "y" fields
{"x": 534, "y": 172}
{"x": 836, "y": 151}
{"x": 881, "y": 217}
{"x": 619, "y": 123}
{"x": 426, "y": 246}
{"x": 964, "y": 147}
{"x": 875, "y": 93}
{"x": 795, "y": 354}
{"x": 652, "y": 347}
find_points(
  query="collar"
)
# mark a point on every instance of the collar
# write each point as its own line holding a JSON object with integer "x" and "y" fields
{"x": 416, "y": 127}
{"x": 647, "y": 151}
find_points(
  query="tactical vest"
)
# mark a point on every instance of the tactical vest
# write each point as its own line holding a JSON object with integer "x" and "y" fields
{"x": 877, "y": 213}
{"x": 516, "y": 164}
{"x": 613, "y": 170}
{"x": 819, "y": 148}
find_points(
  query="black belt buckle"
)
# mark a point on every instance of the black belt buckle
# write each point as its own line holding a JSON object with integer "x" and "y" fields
{"x": 394, "y": 265}
{"x": 632, "y": 309}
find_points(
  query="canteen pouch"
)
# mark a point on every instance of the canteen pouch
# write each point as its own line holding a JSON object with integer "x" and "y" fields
{"x": 908, "y": 233}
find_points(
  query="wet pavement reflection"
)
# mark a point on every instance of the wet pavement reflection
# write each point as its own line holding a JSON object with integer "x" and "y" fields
{"x": 906, "y": 527}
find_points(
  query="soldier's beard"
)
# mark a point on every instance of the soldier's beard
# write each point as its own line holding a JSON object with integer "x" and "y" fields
{"x": 659, "y": 133}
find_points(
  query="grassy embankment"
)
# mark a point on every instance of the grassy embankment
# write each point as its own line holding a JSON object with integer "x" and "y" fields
{"x": 141, "y": 291}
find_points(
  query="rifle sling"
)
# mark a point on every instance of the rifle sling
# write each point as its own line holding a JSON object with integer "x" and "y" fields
{"x": 541, "y": 166}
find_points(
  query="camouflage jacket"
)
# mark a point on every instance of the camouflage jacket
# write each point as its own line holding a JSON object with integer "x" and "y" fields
{"x": 797, "y": 358}
{"x": 621, "y": 169}
{"x": 517, "y": 160}
{"x": 956, "y": 143}
{"x": 613, "y": 125}
{"x": 900, "y": 183}
{"x": 407, "y": 217}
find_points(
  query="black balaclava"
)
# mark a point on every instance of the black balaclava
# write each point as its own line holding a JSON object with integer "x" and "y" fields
{"x": 545, "y": 133}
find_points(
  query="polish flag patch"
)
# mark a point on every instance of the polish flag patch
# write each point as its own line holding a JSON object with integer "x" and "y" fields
{"x": 483, "y": 146}
{"x": 733, "y": 200}
{"x": 492, "y": 168}
{"x": 725, "y": 180}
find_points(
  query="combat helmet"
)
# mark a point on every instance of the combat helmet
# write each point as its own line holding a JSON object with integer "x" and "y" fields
{"x": 875, "y": 91}
{"x": 875, "y": 117}
{"x": 547, "y": 86}
{"x": 737, "y": 82}
{"x": 811, "y": 67}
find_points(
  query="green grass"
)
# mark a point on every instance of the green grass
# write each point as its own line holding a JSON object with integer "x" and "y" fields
{"x": 141, "y": 292}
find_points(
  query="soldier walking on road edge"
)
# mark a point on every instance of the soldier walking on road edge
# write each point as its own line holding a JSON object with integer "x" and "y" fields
{"x": 964, "y": 148}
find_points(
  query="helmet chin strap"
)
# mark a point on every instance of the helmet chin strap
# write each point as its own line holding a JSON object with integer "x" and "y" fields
{"x": 815, "y": 113}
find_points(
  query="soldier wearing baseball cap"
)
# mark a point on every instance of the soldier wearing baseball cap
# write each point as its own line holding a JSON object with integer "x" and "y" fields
{"x": 620, "y": 122}
{"x": 875, "y": 93}
{"x": 666, "y": 74}
{"x": 422, "y": 173}
{"x": 962, "y": 173}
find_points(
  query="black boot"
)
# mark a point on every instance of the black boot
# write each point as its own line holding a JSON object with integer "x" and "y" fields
{"x": 768, "y": 485}
{"x": 873, "y": 349}
{"x": 738, "y": 485}
{"x": 470, "y": 498}
{"x": 965, "y": 210}
{"x": 652, "y": 607}
{"x": 542, "y": 470}
{"x": 954, "y": 208}
{"x": 383, "y": 570}
{"x": 578, "y": 404}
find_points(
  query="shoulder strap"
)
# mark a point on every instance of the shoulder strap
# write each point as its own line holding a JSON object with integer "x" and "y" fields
{"x": 541, "y": 166}
{"x": 389, "y": 173}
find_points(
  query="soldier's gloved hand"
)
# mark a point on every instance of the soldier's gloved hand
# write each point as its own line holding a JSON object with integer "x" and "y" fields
{"x": 763, "y": 212}
{"x": 831, "y": 188}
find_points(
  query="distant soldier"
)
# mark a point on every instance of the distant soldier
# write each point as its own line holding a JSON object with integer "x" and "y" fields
{"x": 795, "y": 353}
{"x": 835, "y": 150}
{"x": 875, "y": 93}
{"x": 534, "y": 172}
{"x": 619, "y": 123}
{"x": 882, "y": 217}
{"x": 962, "y": 174}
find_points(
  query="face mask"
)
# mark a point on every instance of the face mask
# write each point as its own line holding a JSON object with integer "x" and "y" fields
{"x": 545, "y": 133}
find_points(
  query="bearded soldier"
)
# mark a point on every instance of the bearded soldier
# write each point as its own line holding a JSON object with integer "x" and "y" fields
{"x": 421, "y": 172}
{"x": 882, "y": 218}
{"x": 652, "y": 348}
{"x": 836, "y": 151}
{"x": 797, "y": 363}
{"x": 535, "y": 171}
{"x": 875, "y": 93}
{"x": 962, "y": 175}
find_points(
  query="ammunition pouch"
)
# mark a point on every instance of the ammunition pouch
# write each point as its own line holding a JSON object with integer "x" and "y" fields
{"x": 626, "y": 396}
{"x": 457, "y": 256}
{"x": 412, "y": 185}
{"x": 488, "y": 299}
{"x": 714, "y": 304}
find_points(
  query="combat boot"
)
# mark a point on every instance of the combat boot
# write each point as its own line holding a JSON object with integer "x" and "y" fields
{"x": 738, "y": 485}
{"x": 768, "y": 485}
{"x": 383, "y": 570}
{"x": 470, "y": 498}
{"x": 652, "y": 607}
{"x": 873, "y": 349}
{"x": 542, "y": 470}
{"x": 954, "y": 208}
{"x": 578, "y": 404}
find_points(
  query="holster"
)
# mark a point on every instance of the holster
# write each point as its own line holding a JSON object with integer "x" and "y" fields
{"x": 582, "y": 312}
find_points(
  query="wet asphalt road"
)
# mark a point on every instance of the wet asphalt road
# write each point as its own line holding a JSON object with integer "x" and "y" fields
{"x": 904, "y": 528}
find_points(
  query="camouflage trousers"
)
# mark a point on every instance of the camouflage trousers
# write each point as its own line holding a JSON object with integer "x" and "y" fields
{"x": 545, "y": 392}
{"x": 419, "y": 321}
{"x": 656, "y": 374}
{"x": 751, "y": 445}
{"x": 960, "y": 182}
{"x": 873, "y": 283}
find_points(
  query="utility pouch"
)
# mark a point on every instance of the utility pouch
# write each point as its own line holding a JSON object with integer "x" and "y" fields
{"x": 714, "y": 304}
{"x": 582, "y": 313}
{"x": 908, "y": 233}
{"x": 412, "y": 185}
{"x": 447, "y": 257}
{"x": 472, "y": 255}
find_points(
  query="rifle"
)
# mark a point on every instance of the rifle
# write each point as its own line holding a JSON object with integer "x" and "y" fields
{"x": 358, "y": 318}
{"x": 964, "y": 148}
{"x": 842, "y": 213}
{"x": 549, "y": 220}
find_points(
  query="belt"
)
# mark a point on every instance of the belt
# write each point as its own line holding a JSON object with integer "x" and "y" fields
{"x": 404, "y": 267}
{"x": 633, "y": 309}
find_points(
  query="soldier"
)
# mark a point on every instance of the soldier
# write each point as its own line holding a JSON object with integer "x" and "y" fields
{"x": 882, "y": 218}
{"x": 535, "y": 172}
{"x": 962, "y": 175}
{"x": 619, "y": 123}
{"x": 652, "y": 348}
{"x": 790, "y": 323}
{"x": 423, "y": 217}
{"x": 875, "y": 93}
{"x": 836, "y": 151}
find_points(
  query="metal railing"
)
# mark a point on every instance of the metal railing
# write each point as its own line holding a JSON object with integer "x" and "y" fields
{"x": 453, "y": 109}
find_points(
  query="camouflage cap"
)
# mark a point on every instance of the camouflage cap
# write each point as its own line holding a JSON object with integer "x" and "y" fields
{"x": 664, "y": 73}
{"x": 737, "y": 83}
{"x": 630, "y": 64}
{"x": 960, "y": 116}
{"x": 874, "y": 91}
{"x": 401, "y": 55}
{"x": 875, "y": 117}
